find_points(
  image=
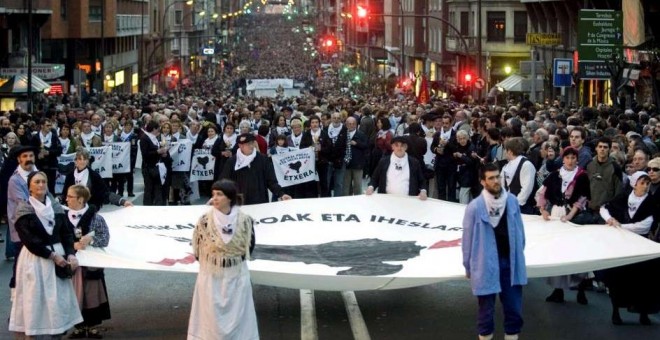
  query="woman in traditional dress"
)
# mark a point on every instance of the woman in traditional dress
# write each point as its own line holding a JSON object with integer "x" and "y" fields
{"x": 89, "y": 229}
{"x": 222, "y": 306}
{"x": 633, "y": 286}
{"x": 564, "y": 193}
{"x": 45, "y": 304}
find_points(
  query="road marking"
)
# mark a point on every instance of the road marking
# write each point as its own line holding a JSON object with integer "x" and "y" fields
{"x": 358, "y": 326}
{"x": 308, "y": 327}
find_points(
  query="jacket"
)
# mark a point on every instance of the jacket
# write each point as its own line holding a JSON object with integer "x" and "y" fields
{"x": 480, "y": 257}
{"x": 33, "y": 235}
{"x": 604, "y": 181}
{"x": 358, "y": 151}
{"x": 417, "y": 180}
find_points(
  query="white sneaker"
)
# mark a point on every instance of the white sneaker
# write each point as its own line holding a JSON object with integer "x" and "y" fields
{"x": 510, "y": 336}
{"x": 486, "y": 337}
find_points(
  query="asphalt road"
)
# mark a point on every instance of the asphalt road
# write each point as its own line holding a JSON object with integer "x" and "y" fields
{"x": 156, "y": 305}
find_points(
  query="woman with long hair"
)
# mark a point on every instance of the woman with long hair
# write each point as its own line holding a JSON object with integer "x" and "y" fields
{"x": 223, "y": 239}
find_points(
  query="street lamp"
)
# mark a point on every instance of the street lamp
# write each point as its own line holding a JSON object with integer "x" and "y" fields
{"x": 183, "y": 20}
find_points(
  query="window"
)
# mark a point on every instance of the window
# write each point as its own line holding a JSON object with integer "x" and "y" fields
{"x": 519, "y": 26}
{"x": 496, "y": 26}
{"x": 465, "y": 24}
{"x": 63, "y": 5}
{"x": 178, "y": 17}
{"x": 95, "y": 10}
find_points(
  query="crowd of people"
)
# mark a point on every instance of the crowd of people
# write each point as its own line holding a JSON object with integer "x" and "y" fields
{"x": 588, "y": 165}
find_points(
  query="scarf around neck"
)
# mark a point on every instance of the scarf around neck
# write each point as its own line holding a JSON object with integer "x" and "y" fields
{"x": 495, "y": 206}
{"x": 87, "y": 138}
{"x": 226, "y": 223}
{"x": 44, "y": 212}
{"x": 333, "y": 131}
{"x": 47, "y": 139}
{"x": 125, "y": 137}
{"x": 81, "y": 177}
{"x": 566, "y": 177}
{"x": 65, "y": 142}
{"x": 243, "y": 161}
{"x": 634, "y": 202}
{"x": 74, "y": 217}
{"x": 208, "y": 143}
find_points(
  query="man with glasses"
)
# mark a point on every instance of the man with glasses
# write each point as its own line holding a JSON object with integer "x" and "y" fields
{"x": 605, "y": 177}
{"x": 577, "y": 138}
{"x": 653, "y": 170}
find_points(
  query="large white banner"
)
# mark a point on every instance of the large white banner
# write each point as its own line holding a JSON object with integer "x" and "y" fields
{"x": 102, "y": 160}
{"x": 65, "y": 164}
{"x": 263, "y": 84}
{"x": 121, "y": 157}
{"x": 295, "y": 167}
{"x": 181, "y": 153}
{"x": 202, "y": 165}
{"x": 357, "y": 243}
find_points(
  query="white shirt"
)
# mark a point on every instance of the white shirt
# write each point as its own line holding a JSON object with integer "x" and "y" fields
{"x": 527, "y": 175}
{"x": 398, "y": 176}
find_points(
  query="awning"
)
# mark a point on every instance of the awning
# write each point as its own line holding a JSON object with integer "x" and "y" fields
{"x": 18, "y": 84}
{"x": 512, "y": 83}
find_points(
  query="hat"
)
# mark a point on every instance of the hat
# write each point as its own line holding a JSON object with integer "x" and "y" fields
{"x": 568, "y": 151}
{"x": 399, "y": 139}
{"x": 245, "y": 138}
{"x": 636, "y": 177}
{"x": 16, "y": 151}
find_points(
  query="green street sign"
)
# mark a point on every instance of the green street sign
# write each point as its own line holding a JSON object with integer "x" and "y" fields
{"x": 600, "y": 35}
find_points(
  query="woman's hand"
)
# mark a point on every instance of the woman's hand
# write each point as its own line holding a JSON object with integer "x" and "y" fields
{"x": 613, "y": 222}
{"x": 59, "y": 260}
{"x": 79, "y": 246}
{"x": 73, "y": 262}
{"x": 545, "y": 214}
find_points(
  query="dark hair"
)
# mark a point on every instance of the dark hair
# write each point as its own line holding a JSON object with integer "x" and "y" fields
{"x": 385, "y": 122}
{"x": 516, "y": 145}
{"x": 605, "y": 140}
{"x": 488, "y": 167}
{"x": 229, "y": 189}
{"x": 581, "y": 130}
{"x": 263, "y": 130}
{"x": 152, "y": 126}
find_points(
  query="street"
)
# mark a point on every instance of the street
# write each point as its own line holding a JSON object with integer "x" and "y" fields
{"x": 156, "y": 305}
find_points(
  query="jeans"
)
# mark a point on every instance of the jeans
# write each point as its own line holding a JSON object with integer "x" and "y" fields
{"x": 511, "y": 299}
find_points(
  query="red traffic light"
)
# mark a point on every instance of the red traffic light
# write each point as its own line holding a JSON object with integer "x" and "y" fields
{"x": 174, "y": 73}
{"x": 468, "y": 77}
{"x": 361, "y": 12}
{"x": 329, "y": 43}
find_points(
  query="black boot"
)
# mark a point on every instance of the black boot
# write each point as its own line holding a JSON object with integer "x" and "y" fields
{"x": 582, "y": 297}
{"x": 556, "y": 296}
{"x": 616, "y": 317}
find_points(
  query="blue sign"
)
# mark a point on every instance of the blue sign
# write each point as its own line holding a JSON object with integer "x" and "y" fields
{"x": 562, "y": 70}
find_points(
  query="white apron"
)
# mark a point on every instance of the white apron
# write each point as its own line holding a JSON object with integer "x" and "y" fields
{"x": 55, "y": 310}
{"x": 222, "y": 306}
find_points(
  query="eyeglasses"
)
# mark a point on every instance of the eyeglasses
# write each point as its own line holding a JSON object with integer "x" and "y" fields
{"x": 653, "y": 169}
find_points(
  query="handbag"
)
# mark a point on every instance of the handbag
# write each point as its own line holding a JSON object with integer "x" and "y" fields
{"x": 62, "y": 272}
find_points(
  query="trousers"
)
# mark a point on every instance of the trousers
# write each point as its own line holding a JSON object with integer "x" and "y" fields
{"x": 511, "y": 299}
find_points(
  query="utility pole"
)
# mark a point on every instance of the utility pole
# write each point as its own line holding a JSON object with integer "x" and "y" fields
{"x": 479, "y": 51}
{"x": 29, "y": 56}
{"x": 141, "y": 51}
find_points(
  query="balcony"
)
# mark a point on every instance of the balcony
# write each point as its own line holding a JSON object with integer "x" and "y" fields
{"x": 128, "y": 24}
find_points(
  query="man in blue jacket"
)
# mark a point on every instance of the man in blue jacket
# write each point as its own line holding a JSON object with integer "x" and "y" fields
{"x": 493, "y": 244}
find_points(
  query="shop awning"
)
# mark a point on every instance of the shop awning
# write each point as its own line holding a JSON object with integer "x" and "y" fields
{"x": 512, "y": 83}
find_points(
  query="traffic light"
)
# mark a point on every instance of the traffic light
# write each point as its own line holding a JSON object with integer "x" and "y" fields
{"x": 468, "y": 78}
{"x": 328, "y": 43}
{"x": 361, "y": 12}
{"x": 362, "y": 15}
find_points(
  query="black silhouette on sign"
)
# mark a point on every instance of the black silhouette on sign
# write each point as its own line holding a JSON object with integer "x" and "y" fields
{"x": 203, "y": 161}
{"x": 365, "y": 257}
{"x": 295, "y": 166}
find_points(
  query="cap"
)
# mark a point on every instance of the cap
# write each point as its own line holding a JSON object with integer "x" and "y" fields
{"x": 18, "y": 150}
{"x": 245, "y": 138}
{"x": 636, "y": 177}
{"x": 399, "y": 139}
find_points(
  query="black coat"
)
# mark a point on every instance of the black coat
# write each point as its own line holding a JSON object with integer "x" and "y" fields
{"x": 49, "y": 162}
{"x": 253, "y": 181}
{"x": 466, "y": 165}
{"x": 444, "y": 159}
{"x": 95, "y": 184}
{"x": 417, "y": 181}
{"x": 333, "y": 152}
{"x": 358, "y": 151}
{"x": 34, "y": 237}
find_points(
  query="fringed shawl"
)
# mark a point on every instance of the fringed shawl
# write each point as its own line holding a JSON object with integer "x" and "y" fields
{"x": 211, "y": 251}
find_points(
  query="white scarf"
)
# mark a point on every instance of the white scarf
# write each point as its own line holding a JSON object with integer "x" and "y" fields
{"x": 97, "y": 129}
{"x": 398, "y": 175}
{"x": 226, "y": 224}
{"x": 87, "y": 138}
{"x": 316, "y": 135}
{"x": 350, "y": 135}
{"x": 208, "y": 143}
{"x": 125, "y": 136}
{"x": 65, "y": 142}
{"x": 191, "y": 137}
{"x": 24, "y": 174}
{"x": 296, "y": 140}
{"x": 445, "y": 135}
{"x": 177, "y": 135}
{"x": 634, "y": 202}
{"x": 282, "y": 130}
{"x": 46, "y": 140}
{"x": 243, "y": 161}
{"x": 45, "y": 213}
{"x": 382, "y": 133}
{"x": 81, "y": 177}
{"x": 333, "y": 131}
{"x": 566, "y": 177}
{"x": 108, "y": 139}
{"x": 495, "y": 206}
{"x": 229, "y": 141}
{"x": 74, "y": 217}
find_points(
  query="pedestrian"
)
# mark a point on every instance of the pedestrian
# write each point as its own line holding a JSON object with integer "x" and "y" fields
{"x": 154, "y": 170}
{"x": 398, "y": 173}
{"x": 252, "y": 172}
{"x": 223, "y": 239}
{"x": 519, "y": 174}
{"x": 45, "y": 302}
{"x": 48, "y": 143}
{"x": 493, "y": 254}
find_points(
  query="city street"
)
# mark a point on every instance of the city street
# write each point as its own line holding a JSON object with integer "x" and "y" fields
{"x": 156, "y": 305}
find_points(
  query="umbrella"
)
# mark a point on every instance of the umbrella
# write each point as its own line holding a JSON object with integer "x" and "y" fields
{"x": 18, "y": 84}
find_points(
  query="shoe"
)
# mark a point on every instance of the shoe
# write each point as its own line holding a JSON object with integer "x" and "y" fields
{"x": 130, "y": 194}
{"x": 582, "y": 298}
{"x": 644, "y": 319}
{"x": 556, "y": 296}
{"x": 78, "y": 333}
{"x": 486, "y": 337}
{"x": 510, "y": 336}
{"x": 616, "y": 318}
{"x": 94, "y": 333}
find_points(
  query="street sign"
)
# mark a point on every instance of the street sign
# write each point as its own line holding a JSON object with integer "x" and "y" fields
{"x": 479, "y": 83}
{"x": 543, "y": 39}
{"x": 208, "y": 51}
{"x": 600, "y": 38}
{"x": 562, "y": 70}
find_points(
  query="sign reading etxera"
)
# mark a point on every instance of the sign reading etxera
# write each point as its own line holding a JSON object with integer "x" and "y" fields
{"x": 600, "y": 37}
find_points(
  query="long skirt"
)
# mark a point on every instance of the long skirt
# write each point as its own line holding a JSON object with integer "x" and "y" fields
{"x": 92, "y": 295}
{"x": 222, "y": 306}
{"x": 44, "y": 303}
